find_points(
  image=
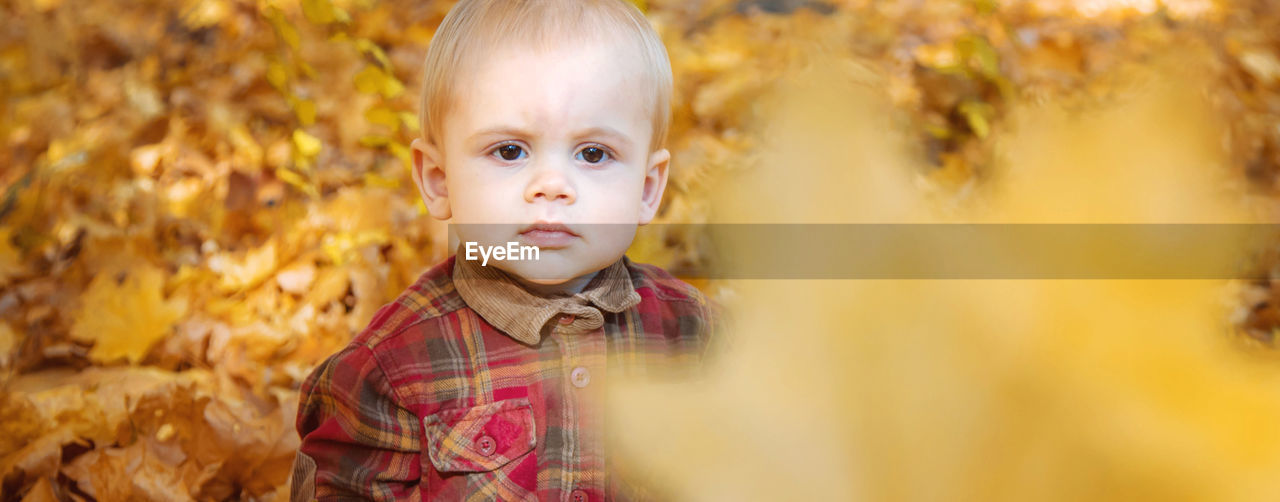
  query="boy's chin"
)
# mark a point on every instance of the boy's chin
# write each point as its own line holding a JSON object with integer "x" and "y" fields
{"x": 549, "y": 281}
{"x": 545, "y": 275}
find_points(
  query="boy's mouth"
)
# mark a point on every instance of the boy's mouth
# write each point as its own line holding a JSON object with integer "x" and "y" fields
{"x": 548, "y": 235}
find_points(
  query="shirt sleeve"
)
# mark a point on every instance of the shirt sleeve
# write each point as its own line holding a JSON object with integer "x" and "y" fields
{"x": 357, "y": 441}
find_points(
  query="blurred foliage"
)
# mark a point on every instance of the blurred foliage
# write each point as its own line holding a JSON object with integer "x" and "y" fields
{"x": 201, "y": 199}
{"x": 982, "y": 389}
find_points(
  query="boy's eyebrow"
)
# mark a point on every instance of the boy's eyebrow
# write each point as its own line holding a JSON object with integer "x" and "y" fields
{"x": 608, "y": 132}
{"x": 500, "y": 131}
{"x": 604, "y": 131}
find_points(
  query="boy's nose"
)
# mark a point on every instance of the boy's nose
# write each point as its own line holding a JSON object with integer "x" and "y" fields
{"x": 550, "y": 183}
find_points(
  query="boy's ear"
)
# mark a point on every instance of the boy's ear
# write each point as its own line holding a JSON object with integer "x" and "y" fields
{"x": 655, "y": 182}
{"x": 428, "y": 174}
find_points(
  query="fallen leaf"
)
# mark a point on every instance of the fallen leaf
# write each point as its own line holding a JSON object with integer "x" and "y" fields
{"x": 125, "y": 314}
{"x": 243, "y": 270}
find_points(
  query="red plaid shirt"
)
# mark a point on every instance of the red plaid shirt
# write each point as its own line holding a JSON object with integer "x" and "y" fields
{"x": 467, "y": 387}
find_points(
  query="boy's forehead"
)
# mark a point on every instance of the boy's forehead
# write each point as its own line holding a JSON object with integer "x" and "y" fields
{"x": 553, "y": 86}
{"x": 587, "y": 66}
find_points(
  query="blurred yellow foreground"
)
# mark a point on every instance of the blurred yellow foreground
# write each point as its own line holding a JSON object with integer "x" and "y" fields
{"x": 974, "y": 389}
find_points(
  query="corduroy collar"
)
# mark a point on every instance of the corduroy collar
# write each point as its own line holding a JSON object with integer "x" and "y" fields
{"x": 522, "y": 315}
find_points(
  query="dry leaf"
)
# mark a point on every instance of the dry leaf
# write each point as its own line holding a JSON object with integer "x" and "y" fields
{"x": 124, "y": 314}
{"x": 244, "y": 270}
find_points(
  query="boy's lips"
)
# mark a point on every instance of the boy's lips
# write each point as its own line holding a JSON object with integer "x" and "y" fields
{"x": 548, "y": 235}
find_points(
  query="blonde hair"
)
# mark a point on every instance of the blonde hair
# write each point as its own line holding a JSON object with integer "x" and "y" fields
{"x": 476, "y": 27}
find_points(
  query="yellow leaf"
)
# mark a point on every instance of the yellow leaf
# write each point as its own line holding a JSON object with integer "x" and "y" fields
{"x": 243, "y": 271}
{"x": 248, "y": 152}
{"x": 641, "y": 4}
{"x": 10, "y": 259}
{"x": 400, "y": 151}
{"x": 939, "y": 131}
{"x": 8, "y": 340}
{"x": 318, "y": 11}
{"x": 410, "y": 121}
{"x": 296, "y": 180}
{"x": 976, "y": 113}
{"x": 374, "y": 140}
{"x": 287, "y": 31}
{"x": 291, "y": 35}
{"x": 277, "y": 75}
{"x": 979, "y": 55}
{"x": 384, "y": 116}
{"x": 329, "y": 285}
{"x": 324, "y": 12}
{"x": 204, "y": 14}
{"x": 368, "y": 81}
{"x": 372, "y": 80}
{"x": 307, "y": 145}
{"x": 125, "y": 313}
{"x": 342, "y": 247}
{"x": 306, "y": 69}
{"x": 305, "y": 110}
{"x": 391, "y": 87}
{"x": 368, "y": 47}
{"x": 375, "y": 180}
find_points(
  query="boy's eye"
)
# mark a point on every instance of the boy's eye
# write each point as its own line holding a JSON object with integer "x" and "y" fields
{"x": 593, "y": 155}
{"x": 509, "y": 152}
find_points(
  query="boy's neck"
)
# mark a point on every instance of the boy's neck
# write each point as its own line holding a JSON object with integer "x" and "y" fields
{"x": 567, "y": 288}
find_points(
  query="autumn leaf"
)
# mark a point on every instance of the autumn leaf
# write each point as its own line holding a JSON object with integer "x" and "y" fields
{"x": 125, "y": 314}
{"x": 383, "y": 116}
{"x": 368, "y": 47}
{"x": 243, "y": 270}
{"x": 324, "y": 12}
{"x": 306, "y": 144}
{"x": 8, "y": 339}
{"x": 10, "y": 260}
{"x": 205, "y": 13}
{"x": 305, "y": 110}
{"x": 287, "y": 31}
{"x": 372, "y": 80}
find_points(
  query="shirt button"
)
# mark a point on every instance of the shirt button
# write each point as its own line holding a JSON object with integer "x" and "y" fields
{"x": 580, "y": 377}
{"x": 566, "y": 319}
{"x": 578, "y": 496}
{"x": 487, "y": 445}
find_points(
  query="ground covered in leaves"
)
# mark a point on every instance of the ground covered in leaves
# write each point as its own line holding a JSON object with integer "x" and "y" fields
{"x": 201, "y": 199}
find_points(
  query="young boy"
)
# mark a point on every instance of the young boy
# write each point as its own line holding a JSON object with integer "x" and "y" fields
{"x": 544, "y": 126}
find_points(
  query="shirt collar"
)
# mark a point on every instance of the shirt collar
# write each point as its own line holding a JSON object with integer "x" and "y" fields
{"x": 522, "y": 315}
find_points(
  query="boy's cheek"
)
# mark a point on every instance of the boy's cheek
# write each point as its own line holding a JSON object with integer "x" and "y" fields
{"x": 482, "y": 206}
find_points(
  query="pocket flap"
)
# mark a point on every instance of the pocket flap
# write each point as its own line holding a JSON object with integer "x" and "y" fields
{"x": 480, "y": 438}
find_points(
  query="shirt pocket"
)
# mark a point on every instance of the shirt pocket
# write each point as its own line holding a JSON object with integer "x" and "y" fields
{"x": 485, "y": 441}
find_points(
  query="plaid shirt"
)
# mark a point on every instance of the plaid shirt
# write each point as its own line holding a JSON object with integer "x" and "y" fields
{"x": 468, "y": 387}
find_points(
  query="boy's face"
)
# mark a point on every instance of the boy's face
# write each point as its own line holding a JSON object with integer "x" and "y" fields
{"x": 560, "y": 136}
